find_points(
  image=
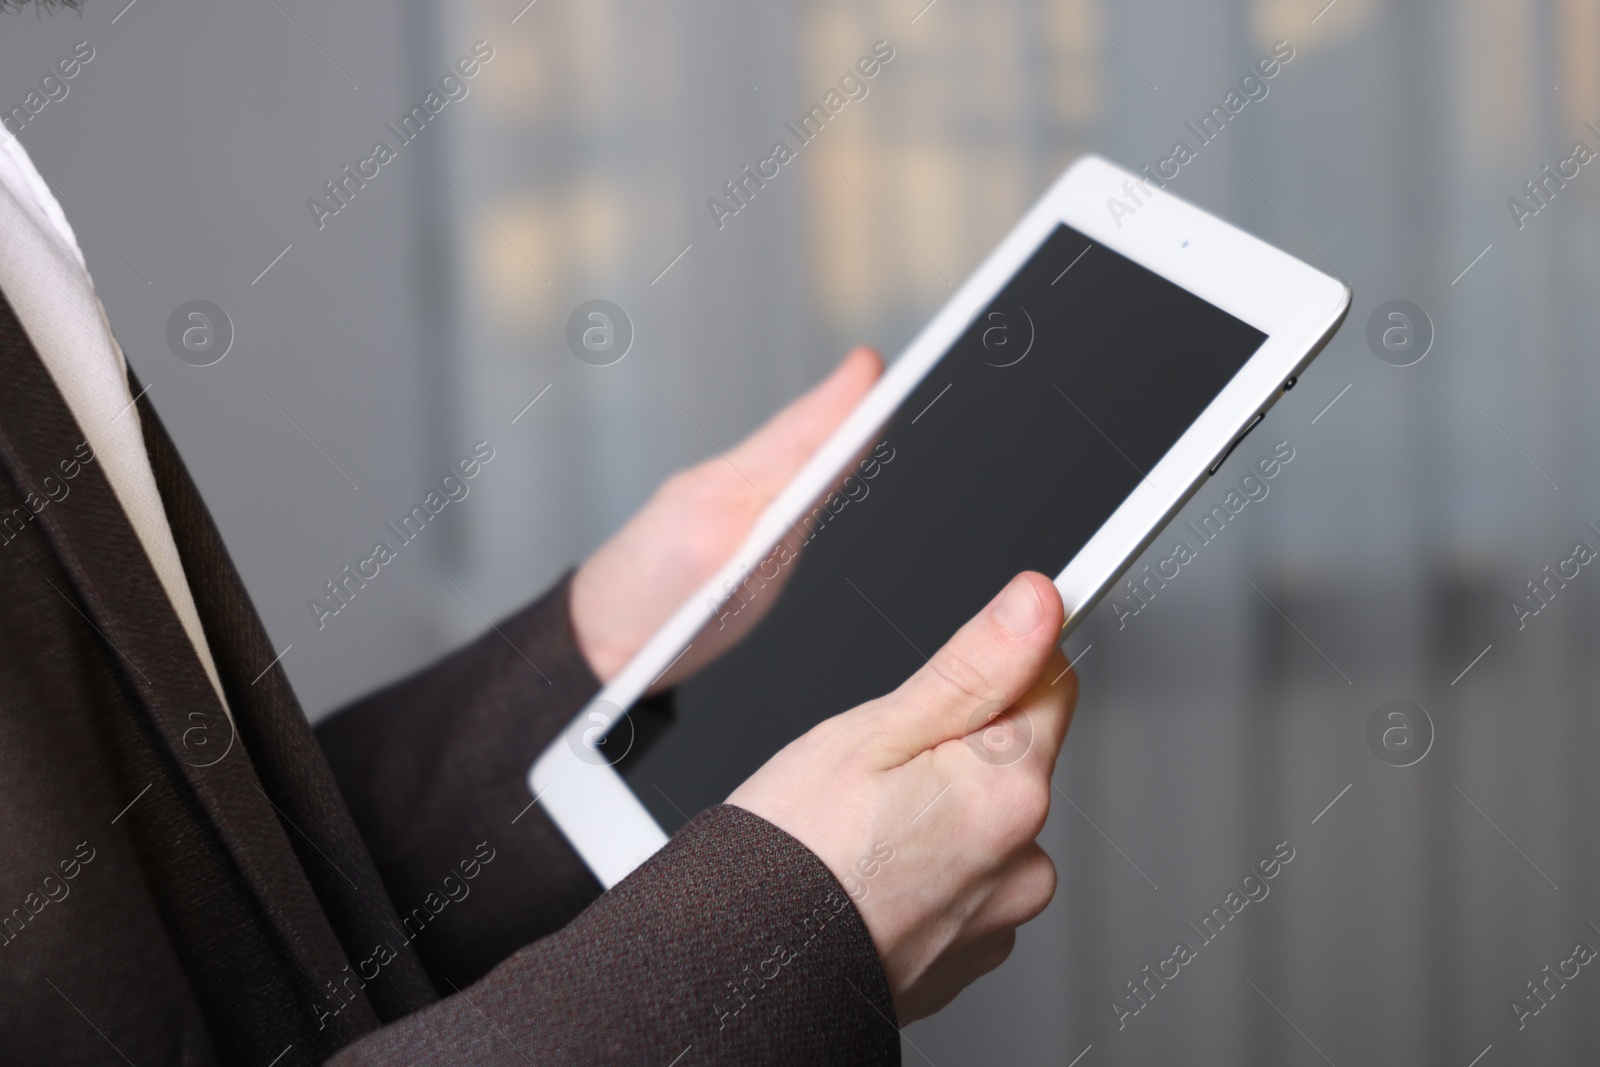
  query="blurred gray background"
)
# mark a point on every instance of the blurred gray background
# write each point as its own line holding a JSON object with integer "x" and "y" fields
{"x": 1223, "y": 718}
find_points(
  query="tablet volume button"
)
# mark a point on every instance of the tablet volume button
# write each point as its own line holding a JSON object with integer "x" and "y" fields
{"x": 1253, "y": 424}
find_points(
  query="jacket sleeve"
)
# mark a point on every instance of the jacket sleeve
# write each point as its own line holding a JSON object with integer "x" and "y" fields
{"x": 434, "y": 771}
{"x": 733, "y": 945}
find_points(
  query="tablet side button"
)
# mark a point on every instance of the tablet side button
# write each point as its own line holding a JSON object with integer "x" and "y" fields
{"x": 1253, "y": 424}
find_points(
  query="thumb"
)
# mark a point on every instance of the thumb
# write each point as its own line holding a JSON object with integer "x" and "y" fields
{"x": 989, "y": 664}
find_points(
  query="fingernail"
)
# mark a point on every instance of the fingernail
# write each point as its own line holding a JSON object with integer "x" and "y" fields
{"x": 1017, "y": 608}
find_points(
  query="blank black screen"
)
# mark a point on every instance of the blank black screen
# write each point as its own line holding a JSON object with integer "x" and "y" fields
{"x": 1009, "y": 455}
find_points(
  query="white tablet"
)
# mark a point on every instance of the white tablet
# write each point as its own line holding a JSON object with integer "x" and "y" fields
{"x": 1058, "y": 410}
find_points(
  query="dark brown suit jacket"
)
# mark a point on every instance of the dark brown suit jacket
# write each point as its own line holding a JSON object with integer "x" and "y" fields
{"x": 182, "y": 888}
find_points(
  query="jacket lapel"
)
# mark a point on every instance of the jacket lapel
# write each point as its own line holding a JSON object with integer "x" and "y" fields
{"x": 116, "y": 590}
{"x": 283, "y": 750}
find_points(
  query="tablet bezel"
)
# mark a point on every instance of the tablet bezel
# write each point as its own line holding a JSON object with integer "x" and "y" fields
{"x": 1297, "y": 306}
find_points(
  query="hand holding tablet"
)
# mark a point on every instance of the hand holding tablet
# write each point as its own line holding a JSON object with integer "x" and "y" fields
{"x": 635, "y": 581}
{"x": 928, "y": 823}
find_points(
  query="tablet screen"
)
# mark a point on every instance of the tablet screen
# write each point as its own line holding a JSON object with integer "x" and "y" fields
{"x": 1009, "y": 455}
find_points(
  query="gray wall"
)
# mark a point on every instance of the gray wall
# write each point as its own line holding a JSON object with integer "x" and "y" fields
{"x": 1218, "y": 722}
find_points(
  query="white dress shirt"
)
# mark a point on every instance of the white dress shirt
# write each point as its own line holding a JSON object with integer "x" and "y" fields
{"x": 45, "y": 279}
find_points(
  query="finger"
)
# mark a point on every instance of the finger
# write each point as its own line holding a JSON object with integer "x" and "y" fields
{"x": 1044, "y": 713}
{"x": 956, "y": 968}
{"x": 992, "y": 660}
{"x": 1025, "y": 890}
{"x": 772, "y": 454}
